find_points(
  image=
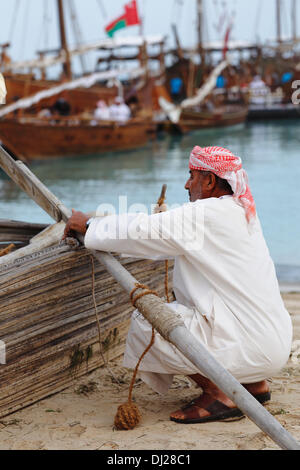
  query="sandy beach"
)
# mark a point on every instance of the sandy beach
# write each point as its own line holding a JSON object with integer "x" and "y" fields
{"x": 81, "y": 417}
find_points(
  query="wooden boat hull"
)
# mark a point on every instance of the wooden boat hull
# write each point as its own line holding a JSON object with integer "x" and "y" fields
{"x": 193, "y": 120}
{"x": 286, "y": 111}
{"x": 33, "y": 139}
{"x": 48, "y": 322}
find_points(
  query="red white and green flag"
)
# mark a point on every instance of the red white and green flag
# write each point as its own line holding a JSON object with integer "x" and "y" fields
{"x": 130, "y": 17}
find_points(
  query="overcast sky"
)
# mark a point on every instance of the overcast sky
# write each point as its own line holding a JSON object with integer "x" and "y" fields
{"x": 32, "y": 24}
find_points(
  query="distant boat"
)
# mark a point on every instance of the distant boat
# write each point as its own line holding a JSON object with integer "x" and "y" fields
{"x": 29, "y": 137}
{"x": 37, "y": 139}
{"x": 273, "y": 111}
{"x": 198, "y": 112}
{"x": 228, "y": 115}
{"x": 263, "y": 104}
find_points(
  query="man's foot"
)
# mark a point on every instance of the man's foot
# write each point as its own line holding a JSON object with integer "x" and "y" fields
{"x": 260, "y": 391}
{"x": 214, "y": 405}
{"x": 207, "y": 408}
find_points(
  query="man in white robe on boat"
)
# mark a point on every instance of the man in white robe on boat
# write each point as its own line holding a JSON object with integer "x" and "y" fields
{"x": 224, "y": 282}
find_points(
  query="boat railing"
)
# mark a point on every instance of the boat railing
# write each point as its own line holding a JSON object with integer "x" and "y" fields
{"x": 75, "y": 120}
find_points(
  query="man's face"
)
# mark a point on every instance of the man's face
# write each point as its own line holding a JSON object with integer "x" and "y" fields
{"x": 195, "y": 186}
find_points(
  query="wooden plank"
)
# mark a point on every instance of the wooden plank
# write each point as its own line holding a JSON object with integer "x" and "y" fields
{"x": 32, "y": 186}
{"x": 45, "y": 322}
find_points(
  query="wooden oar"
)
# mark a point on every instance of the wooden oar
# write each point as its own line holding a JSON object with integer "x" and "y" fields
{"x": 159, "y": 315}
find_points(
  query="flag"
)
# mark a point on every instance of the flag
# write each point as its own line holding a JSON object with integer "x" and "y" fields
{"x": 226, "y": 40}
{"x": 130, "y": 17}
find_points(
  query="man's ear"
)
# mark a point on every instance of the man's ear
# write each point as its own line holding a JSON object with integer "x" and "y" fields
{"x": 211, "y": 181}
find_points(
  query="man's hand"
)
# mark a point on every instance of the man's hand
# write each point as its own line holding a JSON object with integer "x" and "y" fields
{"x": 77, "y": 223}
{"x": 158, "y": 209}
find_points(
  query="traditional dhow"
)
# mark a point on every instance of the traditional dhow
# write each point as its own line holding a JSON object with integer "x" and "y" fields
{"x": 37, "y": 139}
{"x": 192, "y": 119}
{"x": 48, "y": 327}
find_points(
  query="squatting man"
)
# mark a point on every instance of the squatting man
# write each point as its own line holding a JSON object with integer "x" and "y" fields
{"x": 226, "y": 288}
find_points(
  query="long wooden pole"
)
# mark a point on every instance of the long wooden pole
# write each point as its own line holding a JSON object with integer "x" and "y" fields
{"x": 159, "y": 315}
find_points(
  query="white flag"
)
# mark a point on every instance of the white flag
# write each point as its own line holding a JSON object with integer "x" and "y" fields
{"x": 3, "y": 91}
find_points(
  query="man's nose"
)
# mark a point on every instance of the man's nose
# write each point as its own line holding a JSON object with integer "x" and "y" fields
{"x": 187, "y": 186}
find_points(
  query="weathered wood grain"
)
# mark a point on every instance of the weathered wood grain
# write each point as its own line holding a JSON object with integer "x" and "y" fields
{"x": 47, "y": 320}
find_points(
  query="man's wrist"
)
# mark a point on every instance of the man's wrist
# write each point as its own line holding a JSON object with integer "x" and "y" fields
{"x": 88, "y": 223}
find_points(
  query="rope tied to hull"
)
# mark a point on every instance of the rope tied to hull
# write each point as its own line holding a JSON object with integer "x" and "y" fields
{"x": 128, "y": 414}
{"x": 7, "y": 250}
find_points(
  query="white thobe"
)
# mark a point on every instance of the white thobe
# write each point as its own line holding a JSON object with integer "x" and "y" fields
{"x": 103, "y": 114}
{"x": 225, "y": 285}
{"x": 120, "y": 113}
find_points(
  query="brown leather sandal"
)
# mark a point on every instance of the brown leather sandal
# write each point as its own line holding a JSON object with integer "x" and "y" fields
{"x": 218, "y": 412}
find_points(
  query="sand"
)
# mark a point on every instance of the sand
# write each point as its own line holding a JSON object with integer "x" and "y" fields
{"x": 82, "y": 416}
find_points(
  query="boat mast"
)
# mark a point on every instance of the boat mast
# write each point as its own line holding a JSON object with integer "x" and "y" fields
{"x": 294, "y": 19}
{"x": 200, "y": 29}
{"x": 278, "y": 17}
{"x": 64, "y": 46}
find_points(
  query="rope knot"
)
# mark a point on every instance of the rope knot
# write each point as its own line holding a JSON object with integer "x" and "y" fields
{"x": 146, "y": 289}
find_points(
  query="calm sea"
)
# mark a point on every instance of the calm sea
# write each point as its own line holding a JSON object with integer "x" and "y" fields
{"x": 270, "y": 153}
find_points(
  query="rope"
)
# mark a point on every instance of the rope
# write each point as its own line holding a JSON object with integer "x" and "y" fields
{"x": 98, "y": 323}
{"x": 139, "y": 296}
{"x": 102, "y": 8}
{"x": 24, "y": 29}
{"x": 167, "y": 281}
{"x": 77, "y": 32}
{"x": 128, "y": 414}
{"x": 14, "y": 21}
{"x": 7, "y": 250}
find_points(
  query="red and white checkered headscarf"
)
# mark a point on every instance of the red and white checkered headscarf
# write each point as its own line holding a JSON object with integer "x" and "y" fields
{"x": 226, "y": 165}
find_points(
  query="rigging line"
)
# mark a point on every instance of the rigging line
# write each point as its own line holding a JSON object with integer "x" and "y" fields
{"x": 102, "y": 8}
{"x": 285, "y": 17}
{"x": 14, "y": 20}
{"x": 173, "y": 11}
{"x": 205, "y": 23}
{"x": 258, "y": 18}
{"x": 24, "y": 30}
{"x": 77, "y": 31}
{"x": 180, "y": 4}
{"x": 47, "y": 23}
{"x": 142, "y": 16}
{"x": 44, "y": 29}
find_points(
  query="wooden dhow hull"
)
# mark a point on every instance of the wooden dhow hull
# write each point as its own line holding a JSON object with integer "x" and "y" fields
{"x": 279, "y": 111}
{"x": 35, "y": 139}
{"x": 193, "y": 120}
{"x": 48, "y": 323}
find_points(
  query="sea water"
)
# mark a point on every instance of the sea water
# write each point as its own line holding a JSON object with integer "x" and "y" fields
{"x": 270, "y": 152}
